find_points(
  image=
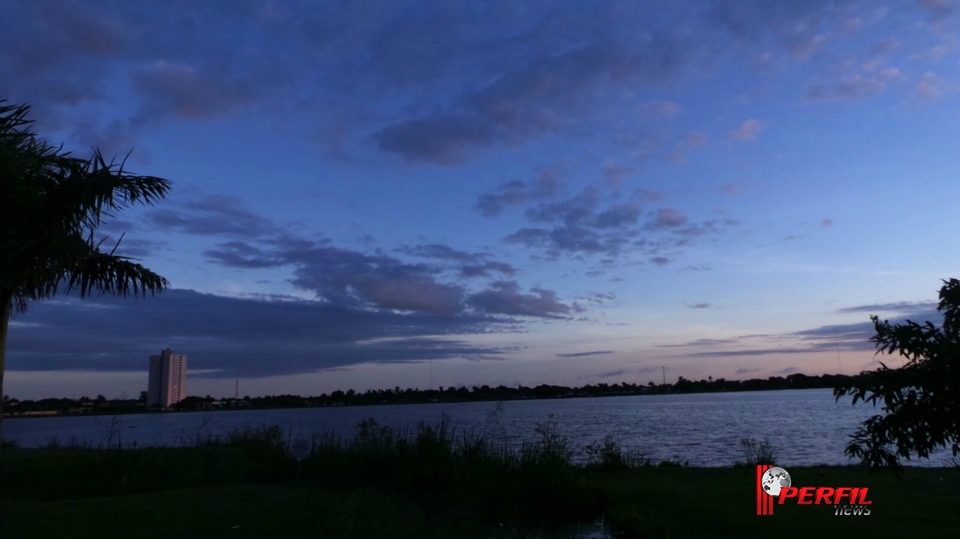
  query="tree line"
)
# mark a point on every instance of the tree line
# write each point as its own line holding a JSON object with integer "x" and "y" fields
{"x": 101, "y": 405}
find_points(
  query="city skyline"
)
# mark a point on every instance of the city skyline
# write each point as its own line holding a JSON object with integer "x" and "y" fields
{"x": 559, "y": 193}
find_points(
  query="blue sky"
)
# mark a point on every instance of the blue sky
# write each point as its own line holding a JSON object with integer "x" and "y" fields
{"x": 541, "y": 192}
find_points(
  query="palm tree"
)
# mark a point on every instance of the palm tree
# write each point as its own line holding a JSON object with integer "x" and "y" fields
{"x": 50, "y": 206}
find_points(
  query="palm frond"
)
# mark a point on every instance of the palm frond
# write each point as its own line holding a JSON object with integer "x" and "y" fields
{"x": 87, "y": 189}
{"x": 118, "y": 275}
{"x": 50, "y": 206}
{"x": 76, "y": 263}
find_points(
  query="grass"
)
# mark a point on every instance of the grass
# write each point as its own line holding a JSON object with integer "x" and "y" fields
{"x": 430, "y": 481}
{"x": 245, "y": 510}
{"x": 719, "y": 502}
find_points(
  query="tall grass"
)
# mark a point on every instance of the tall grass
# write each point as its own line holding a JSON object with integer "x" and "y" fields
{"x": 609, "y": 456}
{"x": 440, "y": 459}
{"x": 539, "y": 478}
{"x": 757, "y": 452}
{"x": 429, "y": 459}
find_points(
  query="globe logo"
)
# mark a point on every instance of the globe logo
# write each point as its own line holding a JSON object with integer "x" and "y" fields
{"x": 774, "y": 479}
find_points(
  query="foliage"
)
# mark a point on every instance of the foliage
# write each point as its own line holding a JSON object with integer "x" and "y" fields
{"x": 757, "y": 452}
{"x": 919, "y": 399}
{"x": 66, "y": 199}
{"x": 609, "y": 456}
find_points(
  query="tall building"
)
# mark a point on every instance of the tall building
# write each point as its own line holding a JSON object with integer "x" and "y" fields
{"x": 168, "y": 379}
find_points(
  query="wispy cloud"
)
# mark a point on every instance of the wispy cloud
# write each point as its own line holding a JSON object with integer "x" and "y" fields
{"x": 748, "y": 130}
{"x": 587, "y": 354}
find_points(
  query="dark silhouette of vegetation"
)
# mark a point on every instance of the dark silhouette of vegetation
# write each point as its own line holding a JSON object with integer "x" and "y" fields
{"x": 919, "y": 399}
{"x": 432, "y": 469}
{"x": 756, "y": 452}
{"x": 53, "y": 205}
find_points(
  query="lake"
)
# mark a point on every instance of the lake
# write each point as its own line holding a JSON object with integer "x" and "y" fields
{"x": 805, "y": 426}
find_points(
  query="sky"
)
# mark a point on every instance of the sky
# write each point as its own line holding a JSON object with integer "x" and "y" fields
{"x": 372, "y": 194}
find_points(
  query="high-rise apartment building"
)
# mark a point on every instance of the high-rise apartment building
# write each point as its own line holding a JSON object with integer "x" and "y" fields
{"x": 167, "y": 384}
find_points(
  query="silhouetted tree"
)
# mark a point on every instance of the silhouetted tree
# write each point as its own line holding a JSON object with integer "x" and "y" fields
{"x": 920, "y": 398}
{"x": 52, "y": 204}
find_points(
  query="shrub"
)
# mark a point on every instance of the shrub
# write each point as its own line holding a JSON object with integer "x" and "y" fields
{"x": 755, "y": 452}
{"x": 609, "y": 456}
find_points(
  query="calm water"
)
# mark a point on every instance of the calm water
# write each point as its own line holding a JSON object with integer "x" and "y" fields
{"x": 805, "y": 426}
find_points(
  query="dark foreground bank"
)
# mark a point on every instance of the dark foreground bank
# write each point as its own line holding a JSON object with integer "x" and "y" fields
{"x": 433, "y": 482}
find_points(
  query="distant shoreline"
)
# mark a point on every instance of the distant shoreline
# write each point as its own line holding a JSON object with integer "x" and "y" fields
{"x": 79, "y": 408}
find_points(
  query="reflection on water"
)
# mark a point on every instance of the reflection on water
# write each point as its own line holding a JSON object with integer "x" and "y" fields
{"x": 805, "y": 426}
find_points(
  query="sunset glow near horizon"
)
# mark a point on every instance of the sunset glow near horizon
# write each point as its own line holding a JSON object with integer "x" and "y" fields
{"x": 520, "y": 193}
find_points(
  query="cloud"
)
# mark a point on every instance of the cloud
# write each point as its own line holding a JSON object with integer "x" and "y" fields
{"x": 573, "y": 211}
{"x": 570, "y": 239}
{"x": 583, "y": 227}
{"x": 235, "y": 336}
{"x": 551, "y": 92}
{"x": 889, "y": 74}
{"x": 487, "y": 269}
{"x": 800, "y": 28}
{"x": 504, "y": 297}
{"x": 826, "y": 222}
{"x": 699, "y": 306}
{"x": 430, "y": 85}
{"x": 614, "y": 173}
{"x": 350, "y": 278}
{"x": 618, "y": 215}
{"x": 665, "y": 218}
{"x": 843, "y": 337}
{"x": 930, "y": 87}
{"x": 169, "y": 89}
{"x": 139, "y": 248}
{"x": 586, "y": 354}
{"x": 732, "y": 188}
{"x": 582, "y": 231}
{"x": 663, "y": 109}
{"x": 851, "y": 87}
{"x": 787, "y": 370}
{"x": 214, "y": 215}
{"x": 902, "y": 307}
{"x": 441, "y": 138}
{"x": 742, "y": 371}
{"x": 696, "y": 138}
{"x": 358, "y": 279}
{"x": 516, "y": 193}
{"x": 748, "y": 130}
{"x": 939, "y": 9}
{"x": 441, "y": 252}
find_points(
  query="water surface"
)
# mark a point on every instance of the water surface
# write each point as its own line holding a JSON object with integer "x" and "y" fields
{"x": 805, "y": 426}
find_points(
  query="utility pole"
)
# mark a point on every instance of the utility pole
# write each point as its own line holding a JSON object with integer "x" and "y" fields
{"x": 431, "y": 375}
{"x": 664, "y": 375}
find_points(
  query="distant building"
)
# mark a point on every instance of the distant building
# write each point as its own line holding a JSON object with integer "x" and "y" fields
{"x": 168, "y": 379}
